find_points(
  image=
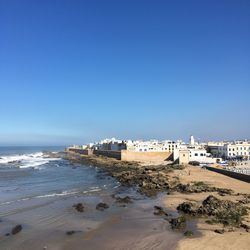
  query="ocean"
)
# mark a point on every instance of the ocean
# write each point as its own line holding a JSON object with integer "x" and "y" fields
{"x": 26, "y": 173}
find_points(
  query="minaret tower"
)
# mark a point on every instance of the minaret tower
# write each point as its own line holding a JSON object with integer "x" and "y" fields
{"x": 191, "y": 142}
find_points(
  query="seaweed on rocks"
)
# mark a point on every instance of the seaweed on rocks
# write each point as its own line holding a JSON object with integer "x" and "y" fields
{"x": 178, "y": 223}
{"x": 187, "y": 208}
{"x": 200, "y": 187}
{"x": 225, "y": 212}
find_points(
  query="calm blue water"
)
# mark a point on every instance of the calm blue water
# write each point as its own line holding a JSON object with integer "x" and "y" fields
{"x": 28, "y": 149}
{"x": 27, "y": 174}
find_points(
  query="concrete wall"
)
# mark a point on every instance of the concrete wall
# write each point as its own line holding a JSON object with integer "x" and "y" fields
{"x": 145, "y": 156}
{"x": 242, "y": 177}
{"x": 109, "y": 153}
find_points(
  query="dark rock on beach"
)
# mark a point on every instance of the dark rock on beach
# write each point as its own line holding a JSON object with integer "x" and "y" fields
{"x": 219, "y": 231}
{"x": 125, "y": 199}
{"x": 187, "y": 208}
{"x": 79, "y": 207}
{"x": 17, "y": 229}
{"x": 102, "y": 206}
{"x": 160, "y": 211}
{"x": 246, "y": 227}
{"x": 72, "y": 232}
{"x": 188, "y": 233}
{"x": 178, "y": 223}
{"x": 225, "y": 212}
{"x": 200, "y": 187}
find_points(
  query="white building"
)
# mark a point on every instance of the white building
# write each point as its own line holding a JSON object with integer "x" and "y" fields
{"x": 193, "y": 152}
{"x": 138, "y": 145}
{"x": 153, "y": 146}
{"x": 110, "y": 144}
{"x": 231, "y": 150}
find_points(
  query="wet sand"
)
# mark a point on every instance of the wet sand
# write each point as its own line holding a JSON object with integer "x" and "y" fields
{"x": 134, "y": 228}
{"x": 122, "y": 226}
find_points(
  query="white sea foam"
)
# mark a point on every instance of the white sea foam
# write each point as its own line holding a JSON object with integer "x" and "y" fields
{"x": 50, "y": 195}
{"x": 26, "y": 160}
{"x": 57, "y": 194}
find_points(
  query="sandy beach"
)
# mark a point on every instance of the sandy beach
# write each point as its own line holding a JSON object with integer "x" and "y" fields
{"x": 210, "y": 240}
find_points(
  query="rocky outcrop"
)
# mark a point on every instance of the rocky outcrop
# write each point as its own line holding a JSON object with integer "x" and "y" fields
{"x": 225, "y": 212}
{"x": 149, "y": 180}
{"x": 200, "y": 187}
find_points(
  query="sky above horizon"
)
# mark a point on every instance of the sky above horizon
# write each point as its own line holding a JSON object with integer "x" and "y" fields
{"x": 79, "y": 71}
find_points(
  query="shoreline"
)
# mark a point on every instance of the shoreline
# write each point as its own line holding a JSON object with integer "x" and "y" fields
{"x": 78, "y": 221}
{"x": 180, "y": 185}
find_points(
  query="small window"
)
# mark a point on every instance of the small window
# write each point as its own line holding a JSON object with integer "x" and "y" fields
{"x": 195, "y": 154}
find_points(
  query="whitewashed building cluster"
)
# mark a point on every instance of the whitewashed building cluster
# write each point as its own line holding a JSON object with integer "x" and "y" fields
{"x": 230, "y": 150}
{"x": 194, "y": 152}
{"x": 137, "y": 145}
{"x": 204, "y": 153}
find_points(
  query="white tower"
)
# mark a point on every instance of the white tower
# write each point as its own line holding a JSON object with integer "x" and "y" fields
{"x": 191, "y": 142}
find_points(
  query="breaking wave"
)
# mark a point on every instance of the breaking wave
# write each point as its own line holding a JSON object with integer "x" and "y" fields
{"x": 26, "y": 160}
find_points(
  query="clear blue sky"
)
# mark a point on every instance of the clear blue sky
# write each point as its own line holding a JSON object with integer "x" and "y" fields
{"x": 77, "y": 71}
